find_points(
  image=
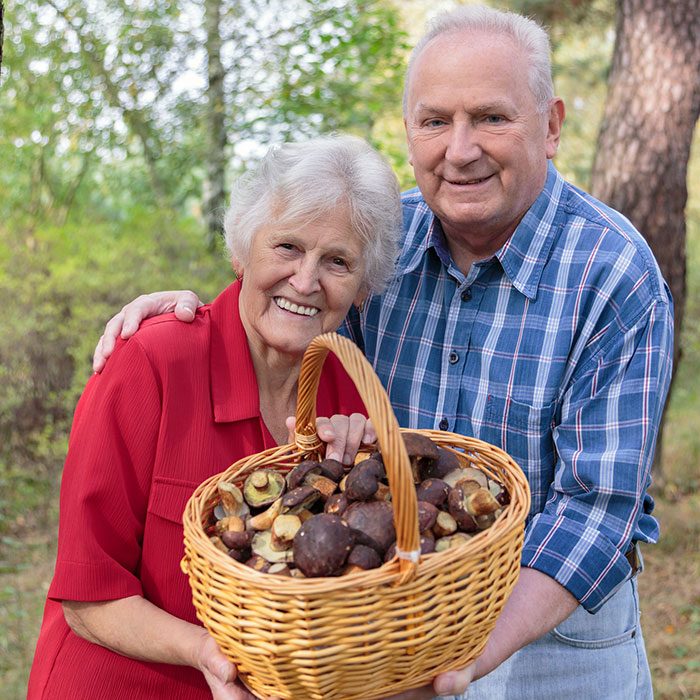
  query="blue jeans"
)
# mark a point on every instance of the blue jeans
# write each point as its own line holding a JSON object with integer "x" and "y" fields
{"x": 587, "y": 657}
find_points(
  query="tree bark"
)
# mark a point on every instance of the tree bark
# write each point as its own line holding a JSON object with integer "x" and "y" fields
{"x": 644, "y": 142}
{"x": 2, "y": 28}
{"x": 214, "y": 194}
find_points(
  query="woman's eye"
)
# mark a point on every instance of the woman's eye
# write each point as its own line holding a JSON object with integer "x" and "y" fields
{"x": 339, "y": 262}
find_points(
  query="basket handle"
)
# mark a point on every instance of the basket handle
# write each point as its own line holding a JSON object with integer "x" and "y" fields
{"x": 392, "y": 446}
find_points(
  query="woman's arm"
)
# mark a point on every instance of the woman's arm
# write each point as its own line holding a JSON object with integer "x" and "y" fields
{"x": 136, "y": 628}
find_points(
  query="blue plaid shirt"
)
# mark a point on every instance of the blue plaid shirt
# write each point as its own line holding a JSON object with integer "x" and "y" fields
{"x": 558, "y": 349}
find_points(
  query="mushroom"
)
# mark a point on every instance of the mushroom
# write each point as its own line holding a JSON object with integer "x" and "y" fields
{"x": 237, "y": 540}
{"x": 499, "y": 492}
{"x": 218, "y": 543}
{"x": 444, "y": 525}
{"x": 427, "y": 515}
{"x": 427, "y": 543}
{"x": 364, "y": 557}
{"x": 322, "y": 545}
{"x": 333, "y": 469}
{"x": 258, "y": 563}
{"x": 279, "y": 568}
{"x": 446, "y": 462}
{"x": 232, "y": 500}
{"x": 300, "y": 498}
{"x": 459, "y": 538}
{"x": 283, "y": 530}
{"x": 263, "y": 487}
{"x": 363, "y": 480}
{"x": 336, "y": 504}
{"x": 457, "y": 506}
{"x": 229, "y": 523}
{"x": 374, "y": 521}
{"x": 308, "y": 473}
{"x": 432, "y": 491}
{"x": 422, "y": 452}
{"x": 262, "y": 546}
{"x": 264, "y": 520}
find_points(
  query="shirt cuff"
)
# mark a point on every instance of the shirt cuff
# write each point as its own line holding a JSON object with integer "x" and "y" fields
{"x": 85, "y": 582}
{"x": 578, "y": 557}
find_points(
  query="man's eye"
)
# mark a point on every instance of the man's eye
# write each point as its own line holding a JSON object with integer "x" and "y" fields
{"x": 433, "y": 123}
{"x": 494, "y": 119}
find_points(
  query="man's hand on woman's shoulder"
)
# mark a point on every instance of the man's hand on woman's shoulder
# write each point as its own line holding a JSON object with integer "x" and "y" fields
{"x": 125, "y": 323}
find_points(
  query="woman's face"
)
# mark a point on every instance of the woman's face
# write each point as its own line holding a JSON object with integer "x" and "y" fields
{"x": 300, "y": 282}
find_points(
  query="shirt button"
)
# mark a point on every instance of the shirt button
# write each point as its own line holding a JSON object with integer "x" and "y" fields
{"x": 444, "y": 424}
{"x": 454, "y": 358}
{"x": 467, "y": 294}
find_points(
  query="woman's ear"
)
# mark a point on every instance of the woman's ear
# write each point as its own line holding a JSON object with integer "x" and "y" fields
{"x": 237, "y": 267}
{"x": 361, "y": 297}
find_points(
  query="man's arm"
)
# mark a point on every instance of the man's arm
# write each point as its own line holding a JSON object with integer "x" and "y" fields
{"x": 125, "y": 323}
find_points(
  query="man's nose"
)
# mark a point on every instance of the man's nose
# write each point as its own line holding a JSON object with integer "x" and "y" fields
{"x": 305, "y": 279}
{"x": 463, "y": 146}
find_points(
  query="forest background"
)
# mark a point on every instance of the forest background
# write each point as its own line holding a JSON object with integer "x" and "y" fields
{"x": 123, "y": 123}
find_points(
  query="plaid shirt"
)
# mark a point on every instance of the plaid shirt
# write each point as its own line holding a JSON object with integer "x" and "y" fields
{"x": 558, "y": 349}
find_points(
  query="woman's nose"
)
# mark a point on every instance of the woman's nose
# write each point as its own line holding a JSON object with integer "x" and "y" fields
{"x": 305, "y": 279}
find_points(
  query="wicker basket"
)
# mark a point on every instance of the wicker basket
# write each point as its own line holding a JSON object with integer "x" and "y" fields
{"x": 369, "y": 634}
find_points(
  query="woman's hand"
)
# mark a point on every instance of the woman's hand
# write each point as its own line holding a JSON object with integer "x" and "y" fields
{"x": 220, "y": 673}
{"x": 127, "y": 321}
{"x": 343, "y": 435}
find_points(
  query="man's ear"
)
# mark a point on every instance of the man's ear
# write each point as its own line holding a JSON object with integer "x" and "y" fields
{"x": 408, "y": 142}
{"x": 555, "y": 120}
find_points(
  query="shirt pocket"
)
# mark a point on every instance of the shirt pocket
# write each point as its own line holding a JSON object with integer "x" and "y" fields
{"x": 524, "y": 431}
{"x": 169, "y": 497}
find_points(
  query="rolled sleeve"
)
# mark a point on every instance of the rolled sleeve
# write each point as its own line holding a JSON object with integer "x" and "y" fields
{"x": 106, "y": 481}
{"x": 597, "y": 505}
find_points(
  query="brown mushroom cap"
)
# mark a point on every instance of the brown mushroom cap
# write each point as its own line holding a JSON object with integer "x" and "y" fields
{"x": 446, "y": 462}
{"x": 375, "y": 520}
{"x": 333, "y": 469}
{"x": 457, "y": 506}
{"x": 427, "y": 515}
{"x": 422, "y": 452}
{"x": 299, "y": 498}
{"x": 297, "y": 475}
{"x": 237, "y": 540}
{"x": 364, "y": 557}
{"x": 432, "y": 491}
{"x": 322, "y": 545}
{"x": 336, "y": 504}
{"x": 363, "y": 480}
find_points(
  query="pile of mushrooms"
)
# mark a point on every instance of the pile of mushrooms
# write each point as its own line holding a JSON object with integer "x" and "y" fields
{"x": 321, "y": 521}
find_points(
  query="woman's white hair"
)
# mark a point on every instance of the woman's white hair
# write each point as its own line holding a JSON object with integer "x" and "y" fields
{"x": 479, "y": 19}
{"x": 299, "y": 183}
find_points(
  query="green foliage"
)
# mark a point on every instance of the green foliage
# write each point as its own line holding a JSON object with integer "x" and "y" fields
{"x": 63, "y": 283}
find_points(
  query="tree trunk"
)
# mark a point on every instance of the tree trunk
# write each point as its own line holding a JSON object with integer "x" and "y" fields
{"x": 645, "y": 137}
{"x": 2, "y": 28}
{"x": 214, "y": 196}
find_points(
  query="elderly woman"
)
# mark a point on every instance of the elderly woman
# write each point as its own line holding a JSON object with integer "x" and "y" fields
{"x": 310, "y": 232}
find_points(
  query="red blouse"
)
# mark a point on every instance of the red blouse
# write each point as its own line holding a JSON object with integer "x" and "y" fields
{"x": 176, "y": 403}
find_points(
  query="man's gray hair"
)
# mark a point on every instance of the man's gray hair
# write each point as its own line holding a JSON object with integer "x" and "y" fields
{"x": 299, "y": 183}
{"x": 479, "y": 19}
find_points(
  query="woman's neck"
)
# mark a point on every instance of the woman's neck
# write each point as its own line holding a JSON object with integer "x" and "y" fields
{"x": 277, "y": 376}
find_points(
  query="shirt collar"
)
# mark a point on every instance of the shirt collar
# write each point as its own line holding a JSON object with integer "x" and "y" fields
{"x": 523, "y": 255}
{"x": 234, "y": 387}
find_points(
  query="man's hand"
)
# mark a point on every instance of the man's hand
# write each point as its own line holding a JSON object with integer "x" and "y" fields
{"x": 127, "y": 321}
{"x": 343, "y": 435}
{"x": 449, "y": 683}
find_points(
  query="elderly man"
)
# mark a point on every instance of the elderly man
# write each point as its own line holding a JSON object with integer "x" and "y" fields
{"x": 530, "y": 315}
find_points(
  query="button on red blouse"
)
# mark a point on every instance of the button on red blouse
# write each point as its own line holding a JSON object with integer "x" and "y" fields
{"x": 175, "y": 404}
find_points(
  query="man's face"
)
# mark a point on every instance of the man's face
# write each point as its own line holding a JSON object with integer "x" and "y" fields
{"x": 477, "y": 143}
